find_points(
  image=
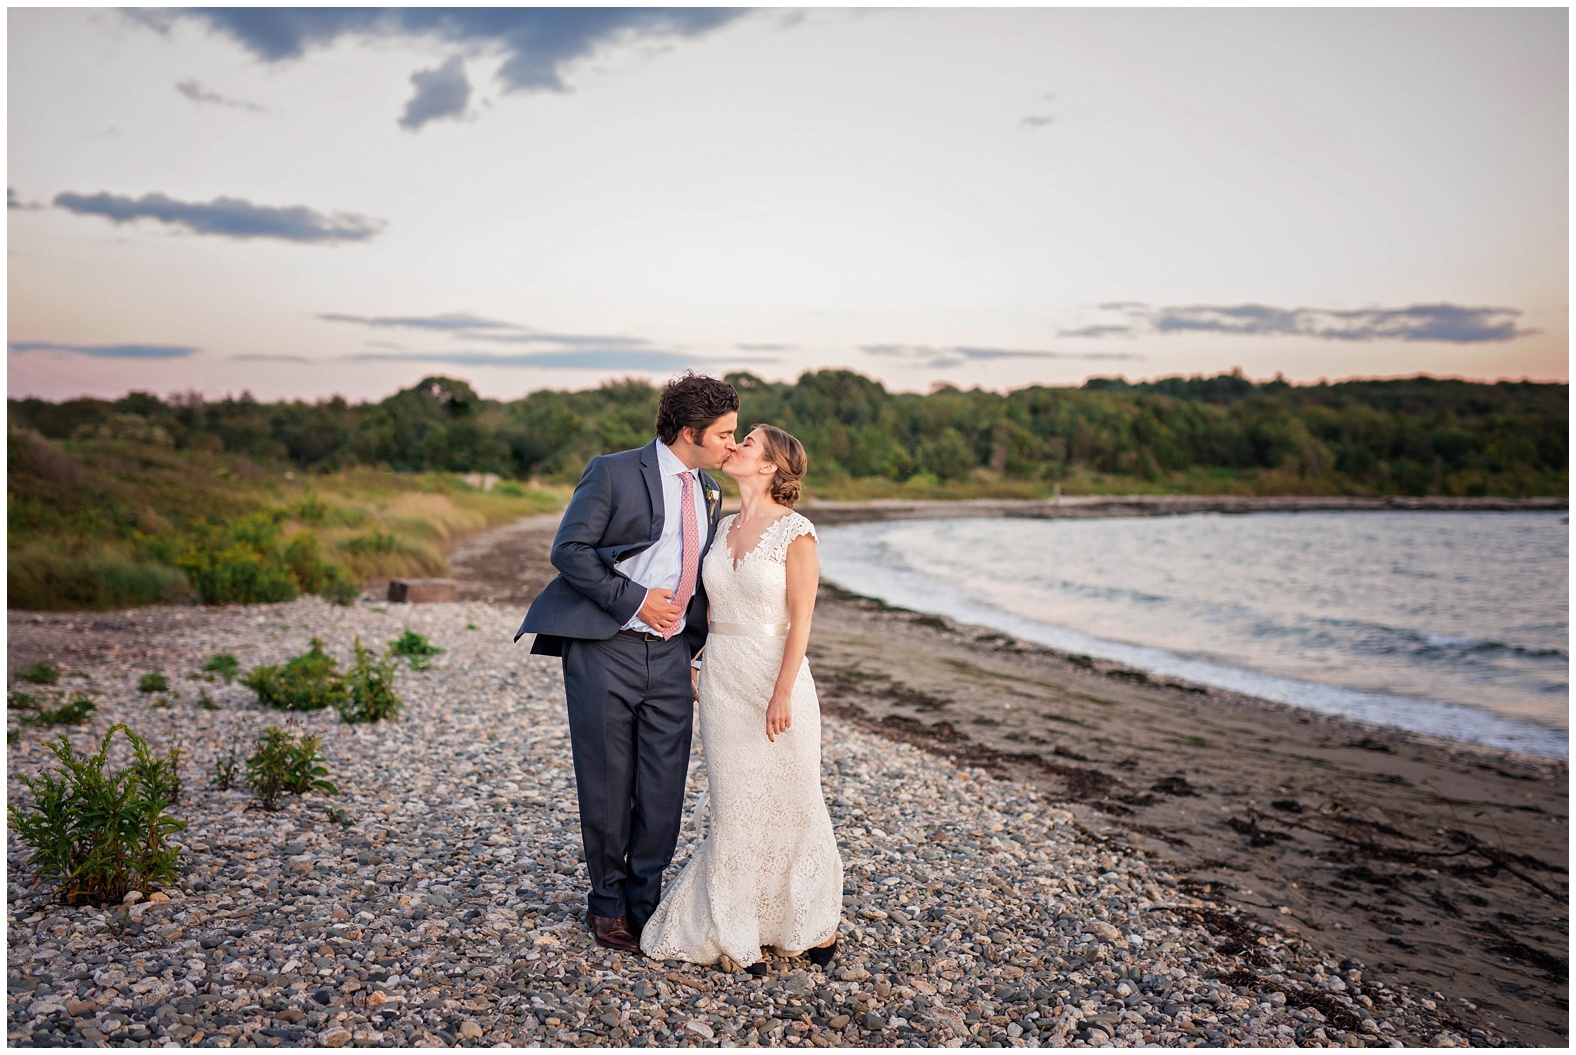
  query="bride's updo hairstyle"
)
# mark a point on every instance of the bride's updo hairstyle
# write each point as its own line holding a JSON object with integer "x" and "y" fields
{"x": 787, "y": 453}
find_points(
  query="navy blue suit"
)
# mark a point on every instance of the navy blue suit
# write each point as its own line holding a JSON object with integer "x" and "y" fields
{"x": 629, "y": 699}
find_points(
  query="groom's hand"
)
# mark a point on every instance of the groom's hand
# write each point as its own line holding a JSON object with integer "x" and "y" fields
{"x": 658, "y": 610}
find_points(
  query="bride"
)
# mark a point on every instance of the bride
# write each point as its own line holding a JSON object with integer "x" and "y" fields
{"x": 768, "y": 874}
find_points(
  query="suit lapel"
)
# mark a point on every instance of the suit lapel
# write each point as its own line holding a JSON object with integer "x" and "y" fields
{"x": 653, "y": 476}
{"x": 713, "y": 507}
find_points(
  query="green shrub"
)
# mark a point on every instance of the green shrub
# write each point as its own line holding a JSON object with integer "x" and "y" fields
{"x": 205, "y": 701}
{"x": 341, "y": 588}
{"x": 282, "y": 764}
{"x": 17, "y": 700}
{"x": 373, "y": 541}
{"x": 95, "y": 835}
{"x": 226, "y": 768}
{"x": 371, "y": 689}
{"x": 78, "y": 710}
{"x": 154, "y": 682}
{"x": 223, "y": 664}
{"x": 509, "y": 488}
{"x": 415, "y": 648}
{"x": 41, "y": 674}
{"x": 309, "y": 682}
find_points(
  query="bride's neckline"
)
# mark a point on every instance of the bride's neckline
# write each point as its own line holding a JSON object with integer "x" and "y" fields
{"x": 727, "y": 539}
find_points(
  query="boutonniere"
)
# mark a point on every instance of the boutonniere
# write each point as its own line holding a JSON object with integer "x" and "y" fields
{"x": 712, "y": 498}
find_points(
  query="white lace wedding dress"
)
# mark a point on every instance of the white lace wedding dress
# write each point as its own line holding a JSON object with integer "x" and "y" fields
{"x": 768, "y": 873}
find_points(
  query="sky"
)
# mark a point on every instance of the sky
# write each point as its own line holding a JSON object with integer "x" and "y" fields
{"x": 302, "y": 203}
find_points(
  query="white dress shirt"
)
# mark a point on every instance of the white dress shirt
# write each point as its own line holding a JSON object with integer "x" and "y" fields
{"x": 659, "y": 566}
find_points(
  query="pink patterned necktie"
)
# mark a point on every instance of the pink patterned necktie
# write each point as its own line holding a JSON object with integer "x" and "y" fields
{"x": 691, "y": 536}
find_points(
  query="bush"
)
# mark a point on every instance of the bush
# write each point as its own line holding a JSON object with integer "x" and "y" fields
{"x": 282, "y": 765}
{"x": 98, "y": 836}
{"x": 154, "y": 682}
{"x": 225, "y": 769}
{"x": 371, "y": 689}
{"x": 309, "y": 682}
{"x": 234, "y": 563}
{"x": 78, "y": 710}
{"x": 223, "y": 664}
{"x": 41, "y": 674}
{"x": 17, "y": 700}
{"x": 415, "y": 648}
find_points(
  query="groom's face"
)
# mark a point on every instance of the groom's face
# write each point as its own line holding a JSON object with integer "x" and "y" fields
{"x": 712, "y": 447}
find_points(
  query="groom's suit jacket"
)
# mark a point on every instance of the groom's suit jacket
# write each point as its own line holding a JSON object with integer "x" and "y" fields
{"x": 617, "y": 511}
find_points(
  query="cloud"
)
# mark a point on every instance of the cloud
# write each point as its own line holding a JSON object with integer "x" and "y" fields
{"x": 260, "y": 357}
{"x": 621, "y": 359}
{"x": 1420, "y": 322}
{"x": 107, "y": 351}
{"x": 476, "y": 328}
{"x": 14, "y": 202}
{"x": 458, "y": 321}
{"x": 1038, "y": 120}
{"x": 745, "y": 346}
{"x": 198, "y": 94}
{"x": 537, "y": 43}
{"x": 440, "y": 92}
{"x": 231, "y": 217}
{"x": 945, "y": 358}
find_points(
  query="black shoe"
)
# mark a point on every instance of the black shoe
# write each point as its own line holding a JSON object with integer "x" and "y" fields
{"x": 821, "y": 955}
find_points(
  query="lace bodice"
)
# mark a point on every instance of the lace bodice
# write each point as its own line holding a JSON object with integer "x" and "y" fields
{"x": 756, "y": 591}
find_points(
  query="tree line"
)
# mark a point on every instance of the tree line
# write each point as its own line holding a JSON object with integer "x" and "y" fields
{"x": 1412, "y": 436}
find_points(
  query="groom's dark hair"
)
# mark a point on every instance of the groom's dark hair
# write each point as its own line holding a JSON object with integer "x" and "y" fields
{"x": 693, "y": 401}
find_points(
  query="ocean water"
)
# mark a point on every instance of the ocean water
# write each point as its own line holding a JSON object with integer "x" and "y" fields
{"x": 1455, "y": 624}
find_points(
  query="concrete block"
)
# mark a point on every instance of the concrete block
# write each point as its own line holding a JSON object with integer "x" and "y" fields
{"x": 419, "y": 591}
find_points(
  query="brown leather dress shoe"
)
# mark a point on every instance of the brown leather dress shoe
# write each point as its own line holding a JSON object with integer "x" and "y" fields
{"x": 613, "y": 932}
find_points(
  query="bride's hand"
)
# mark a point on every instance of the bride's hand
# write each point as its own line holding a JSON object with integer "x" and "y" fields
{"x": 695, "y": 685}
{"x": 779, "y": 716}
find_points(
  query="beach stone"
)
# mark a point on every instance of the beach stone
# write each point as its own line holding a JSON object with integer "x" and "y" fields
{"x": 447, "y": 905}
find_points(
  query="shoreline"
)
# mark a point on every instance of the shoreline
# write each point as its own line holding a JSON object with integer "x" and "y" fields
{"x": 834, "y": 512}
{"x": 1260, "y": 804}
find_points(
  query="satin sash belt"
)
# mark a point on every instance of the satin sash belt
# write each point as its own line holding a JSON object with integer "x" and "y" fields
{"x": 750, "y": 629}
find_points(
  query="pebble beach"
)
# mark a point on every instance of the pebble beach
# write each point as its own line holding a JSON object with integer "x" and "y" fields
{"x": 439, "y": 898}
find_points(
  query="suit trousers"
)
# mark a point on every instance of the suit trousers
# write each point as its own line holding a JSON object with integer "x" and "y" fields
{"x": 631, "y": 715}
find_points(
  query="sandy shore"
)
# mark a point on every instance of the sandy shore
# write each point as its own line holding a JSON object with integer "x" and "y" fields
{"x": 1439, "y": 865}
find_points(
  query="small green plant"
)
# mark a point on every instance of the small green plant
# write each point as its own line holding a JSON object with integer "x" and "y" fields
{"x": 371, "y": 695}
{"x": 335, "y": 814}
{"x": 205, "y": 701}
{"x": 42, "y": 674}
{"x": 282, "y": 764}
{"x": 472, "y": 626}
{"x": 415, "y": 648}
{"x": 18, "y": 700}
{"x": 223, "y": 664}
{"x": 77, "y": 710}
{"x": 309, "y": 682}
{"x": 340, "y": 590}
{"x": 154, "y": 682}
{"x": 98, "y": 835}
{"x": 226, "y": 768}
{"x": 13, "y": 735}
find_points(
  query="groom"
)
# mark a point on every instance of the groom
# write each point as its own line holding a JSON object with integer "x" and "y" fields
{"x": 627, "y": 613}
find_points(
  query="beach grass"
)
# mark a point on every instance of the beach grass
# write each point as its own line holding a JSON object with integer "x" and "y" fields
{"x": 110, "y": 523}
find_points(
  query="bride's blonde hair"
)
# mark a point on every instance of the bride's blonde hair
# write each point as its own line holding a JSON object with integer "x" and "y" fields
{"x": 787, "y": 453}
